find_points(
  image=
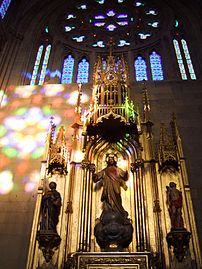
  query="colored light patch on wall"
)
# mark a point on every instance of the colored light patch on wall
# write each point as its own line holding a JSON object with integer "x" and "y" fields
{"x": 21, "y": 111}
{"x": 26, "y": 132}
{"x": 52, "y": 89}
{"x": 3, "y": 99}
{"x": 25, "y": 91}
{"x": 38, "y": 153}
{"x": 74, "y": 97}
{"x": 2, "y": 130}
{"x": 31, "y": 181}
{"x": 10, "y": 152}
{"x": 6, "y": 182}
{"x": 24, "y": 123}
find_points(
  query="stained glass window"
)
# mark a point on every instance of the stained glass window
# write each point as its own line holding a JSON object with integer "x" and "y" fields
{"x": 36, "y": 65}
{"x": 156, "y": 66}
{"x": 96, "y": 19}
{"x": 68, "y": 68}
{"x": 188, "y": 59}
{"x": 179, "y": 59}
{"x": 44, "y": 66}
{"x": 140, "y": 69}
{"x": 83, "y": 71}
{"x": 4, "y": 7}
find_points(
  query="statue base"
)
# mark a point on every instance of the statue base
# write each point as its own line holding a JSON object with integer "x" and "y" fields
{"x": 179, "y": 240}
{"x": 49, "y": 241}
{"x": 113, "y": 232}
{"x": 107, "y": 260}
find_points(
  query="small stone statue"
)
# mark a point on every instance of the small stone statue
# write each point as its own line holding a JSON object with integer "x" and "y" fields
{"x": 174, "y": 202}
{"x": 51, "y": 204}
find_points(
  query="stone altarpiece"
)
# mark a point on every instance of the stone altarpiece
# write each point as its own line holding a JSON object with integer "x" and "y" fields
{"x": 159, "y": 224}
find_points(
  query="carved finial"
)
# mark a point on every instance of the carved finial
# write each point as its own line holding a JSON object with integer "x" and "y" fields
{"x": 52, "y": 129}
{"x": 50, "y": 138}
{"x": 58, "y": 156}
{"x": 60, "y": 139}
{"x": 167, "y": 152}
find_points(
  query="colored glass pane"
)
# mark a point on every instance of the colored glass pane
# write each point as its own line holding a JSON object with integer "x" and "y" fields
{"x": 111, "y": 13}
{"x": 99, "y": 17}
{"x": 122, "y": 23}
{"x": 111, "y": 27}
{"x": 79, "y": 38}
{"x": 180, "y": 60}
{"x": 139, "y": 4}
{"x": 156, "y": 66}
{"x": 122, "y": 16}
{"x": 70, "y": 16}
{"x": 100, "y": 1}
{"x": 188, "y": 59}
{"x": 68, "y": 68}
{"x": 99, "y": 43}
{"x": 151, "y": 12}
{"x": 83, "y": 71}
{"x": 69, "y": 28}
{"x": 154, "y": 24}
{"x": 99, "y": 24}
{"x": 36, "y": 65}
{"x": 4, "y": 7}
{"x": 123, "y": 43}
{"x": 144, "y": 36}
{"x": 44, "y": 66}
{"x": 140, "y": 69}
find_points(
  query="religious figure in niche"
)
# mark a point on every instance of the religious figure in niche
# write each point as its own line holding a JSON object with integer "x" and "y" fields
{"x": 113, "y": 230}
{"x": 112, "y": 179}
{"x": 51, "y": 204}
{"x": 174, "y": 202}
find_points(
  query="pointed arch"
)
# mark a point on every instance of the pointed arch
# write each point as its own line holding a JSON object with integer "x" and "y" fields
{"x": 4, "y": 7}
{"x": 140, "y": 69}
{"x": 83, "y": 71}
{"x": 179, "y": 59}
{"x": 39, "y": 58}
{"x": 188, "y": 59}
{"x": 36, "y": 65}
{"x": 44, "y": 65}
{"x": 156, "y": 66}
{"x": 68, "y": 69}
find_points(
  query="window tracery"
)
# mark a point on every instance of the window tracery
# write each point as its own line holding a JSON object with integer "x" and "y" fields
{"x": 156, "y": 66}
{"x": 140, "y": 69}
{"x": 184, "y": 59}
{"x": 83, "y": 71}
{"x": 188, "y": 59}
{"x": 42, "y": 73}
{"x": 68, "y": 69}
{"x": 88, "y": 24}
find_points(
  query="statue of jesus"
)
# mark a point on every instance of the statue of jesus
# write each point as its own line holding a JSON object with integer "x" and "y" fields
{"x": 112, "y": 179}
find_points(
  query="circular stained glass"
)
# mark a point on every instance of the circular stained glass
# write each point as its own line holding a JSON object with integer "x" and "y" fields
{"x": 91, "y": 24}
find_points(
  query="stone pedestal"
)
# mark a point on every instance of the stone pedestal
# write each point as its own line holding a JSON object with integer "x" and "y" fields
{"x": 113, "y": 232}
{"x": 109, "y": 260}
{"x": 179, "y": 241}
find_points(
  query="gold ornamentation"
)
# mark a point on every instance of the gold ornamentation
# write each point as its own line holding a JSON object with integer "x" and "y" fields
{"x": 99, "y": 260}
{"x": 58, "y": 154}
{"x": 167, "y": 152}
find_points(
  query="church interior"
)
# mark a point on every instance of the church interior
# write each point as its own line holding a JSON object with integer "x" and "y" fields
{"x": 100, "y": 134}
